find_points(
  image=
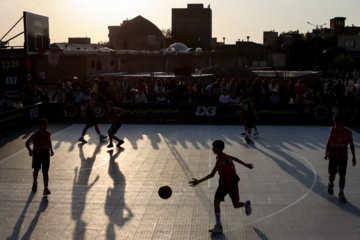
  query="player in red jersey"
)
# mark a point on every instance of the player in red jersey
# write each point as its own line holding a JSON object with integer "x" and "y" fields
{"x": 228, "y": 182}
{"x": 41, "y": 152}
{"x": 336, "y": 151}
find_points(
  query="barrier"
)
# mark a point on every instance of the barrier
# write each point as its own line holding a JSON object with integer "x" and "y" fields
{"x": 20, "y": 117}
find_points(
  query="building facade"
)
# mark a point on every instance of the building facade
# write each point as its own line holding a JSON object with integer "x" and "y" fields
{"x": 192, "y": 26}
{"x": 136, "y": 34}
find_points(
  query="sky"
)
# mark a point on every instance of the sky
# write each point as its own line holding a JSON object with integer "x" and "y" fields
{"x": 232, "y": 19}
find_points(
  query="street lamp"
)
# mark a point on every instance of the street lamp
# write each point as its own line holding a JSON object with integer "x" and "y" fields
{"x": 317, "y": 27}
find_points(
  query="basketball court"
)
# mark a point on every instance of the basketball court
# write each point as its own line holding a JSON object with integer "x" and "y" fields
{"x": 99, "y": 193}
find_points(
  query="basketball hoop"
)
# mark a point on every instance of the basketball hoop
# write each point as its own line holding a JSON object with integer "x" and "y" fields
{"x": 53, "y": 55}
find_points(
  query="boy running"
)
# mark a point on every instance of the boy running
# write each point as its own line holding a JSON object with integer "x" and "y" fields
{"x": 113, "y": 116}
{"x": 228, "y": 182}
{"x": 91, "y": 119}
{"x": 41, "y": 152}
{"x": 336, "y": 151}
{"x": 249, "y": 116}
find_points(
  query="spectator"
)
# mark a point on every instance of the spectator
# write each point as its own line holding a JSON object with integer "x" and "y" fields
{"x": 234, "y": 99}
{"x": 273, "y": 87}
{"x": 299, "y": 91}
{"x": 274, "y": 98}
{"x": 161, "y": 98}
{"x": 140, "y": 97}
{"x": 224, "y": 97}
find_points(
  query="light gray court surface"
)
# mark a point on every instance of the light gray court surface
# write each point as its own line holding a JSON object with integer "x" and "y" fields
{"x": 97, "y": 194}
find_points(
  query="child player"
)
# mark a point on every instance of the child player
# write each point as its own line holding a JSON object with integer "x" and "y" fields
{"x": 336, "y": 151}
{"x": 228, "y": 182}
{"x": 41, "y": 152}
{"x": 113, "y": 116}
{"x": 91, "y": 118}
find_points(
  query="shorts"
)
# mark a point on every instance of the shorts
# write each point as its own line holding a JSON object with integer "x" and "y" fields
{"x": 221, "y": 192}
{"x": 337, "y": 166}
{"x": 249, "y": 122}
{"x": 41, "y": 160}
{"x": 90, "y": 122}
{"x": 115, "y": 127}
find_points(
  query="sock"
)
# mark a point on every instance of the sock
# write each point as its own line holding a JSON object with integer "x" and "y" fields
{"x": 245, "y": 204}
{"x": 341, "y": 190}
{"x": 46, "y": 187}
{"x": 35, "y": 181}
{"x": 331, "y": 184}
{"x": 248, "y": 135}
{"x": 217, "y": 217}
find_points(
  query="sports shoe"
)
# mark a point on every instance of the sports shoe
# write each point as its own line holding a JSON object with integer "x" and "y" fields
{"x": 256, "y": 133}
{"x": 110, "y": 145}
{"x": 247, "y": 139}
{"x": 82, "y": 140}
{"x": 217, "y": 229}
{"x": 248, "y": 208}
{"x": 34, "y": 187}
{"x": 331, "y": 189}
{"x": 102, "y": 137}
{"x": 46, "y": 191}
{"x": 342, "y": 197}
{"x": 119, "y": 143}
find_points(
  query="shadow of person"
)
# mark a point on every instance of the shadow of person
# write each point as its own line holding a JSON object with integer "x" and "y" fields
{"x": 20, "y": 221}
{"x": 81, "y": 187}
{"x": 218, "y": 236}
{"x": 42, "y": 207}
{"x": 115, "y": 207}
{"x": 261, "y": 235}
{"x": 304, "y": 175}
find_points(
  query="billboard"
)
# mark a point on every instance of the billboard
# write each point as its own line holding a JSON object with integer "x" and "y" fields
{"x": 36, "y": 33}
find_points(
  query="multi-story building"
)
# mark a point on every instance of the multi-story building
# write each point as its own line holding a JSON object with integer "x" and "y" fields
{"x": 136, "y": 34}
{"x": 192, "y": 26}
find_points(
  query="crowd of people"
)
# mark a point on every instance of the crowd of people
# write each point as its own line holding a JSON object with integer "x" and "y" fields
{"x": 330, "y": 95}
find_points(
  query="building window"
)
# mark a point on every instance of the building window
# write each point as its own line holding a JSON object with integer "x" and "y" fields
{"x": 92, "y": 64}
{"x": 98, "y": 65}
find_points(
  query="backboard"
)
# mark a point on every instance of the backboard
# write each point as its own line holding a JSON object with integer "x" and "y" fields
{"x": 36, "y": 33}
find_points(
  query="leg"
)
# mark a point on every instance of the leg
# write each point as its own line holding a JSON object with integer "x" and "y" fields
{"x": 35, "y": 174}
{"x": 331, "y": 178}
{"x": 97, "y": 129}
{"x": 342, "y": 182}
{"x": 84, "y": 131}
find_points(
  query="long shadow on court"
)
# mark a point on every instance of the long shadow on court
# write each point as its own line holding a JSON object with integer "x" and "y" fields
{"x": 115, "y": 207}
{"x": 42, "y": 207}
{"x": 81, "y": 186}
{"x": 20, "y": 221}
{"x": 300, "y": 172}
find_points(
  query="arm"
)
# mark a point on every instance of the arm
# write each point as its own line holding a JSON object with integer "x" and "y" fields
{"x": 195, "y": 182}
{"x": 248, "y": 165}
{"x": 51, "y": 148}
{"x": 352, "y": 148}
{"x": 27, "y": 144}
{"x": 327, "y": 146}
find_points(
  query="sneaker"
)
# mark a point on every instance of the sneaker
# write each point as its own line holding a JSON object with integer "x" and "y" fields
{"x": 256, "y": 133}
{"x": 102, "y": 137}
{"x": 247, "y": 139}
{"x": 342, "y": 197}
{"x": 248, "y": 208}
{"x": 119, "y": 143}
{"x": 46, "y": 191}
{"x": 34, "y": 187}
{"x": 217, "y": 229}
{"x": 82, "y": 140}
{"x": 110, "y": 145}
{"x": 331, "y": 189}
